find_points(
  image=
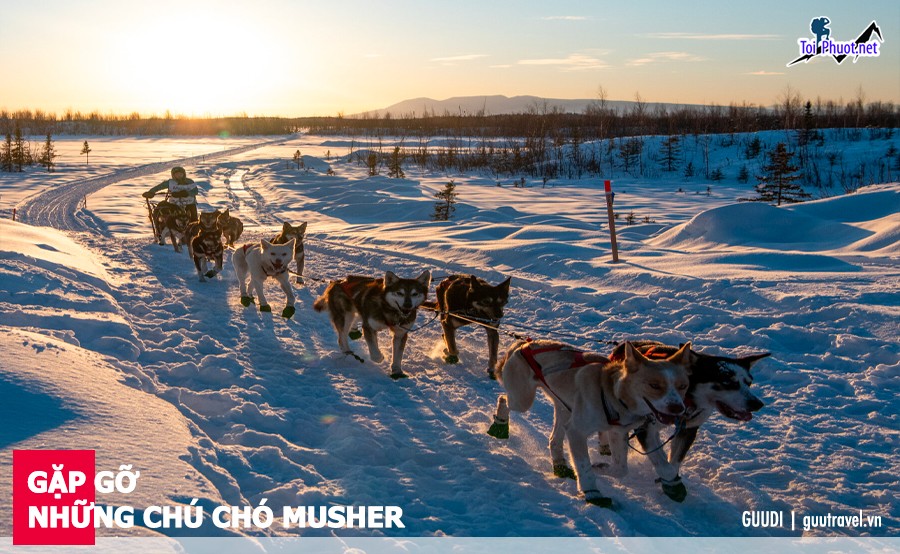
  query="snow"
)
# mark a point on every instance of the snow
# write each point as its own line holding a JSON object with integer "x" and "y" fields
{"x": 110, "y": 342}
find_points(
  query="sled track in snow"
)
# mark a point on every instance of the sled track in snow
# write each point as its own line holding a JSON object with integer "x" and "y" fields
{"x": 61, "y": 209}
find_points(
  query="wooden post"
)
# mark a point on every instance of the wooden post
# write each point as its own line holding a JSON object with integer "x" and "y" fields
{"x": 612, "y": 220}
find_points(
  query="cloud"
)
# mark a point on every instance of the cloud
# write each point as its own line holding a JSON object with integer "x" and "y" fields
{"x": 573, "y": 62}
{"x": 656, "y": 57}
{"x": 766, "y": 73}
{"x": 701, "y": 36}
{"x": 462, "y": 58}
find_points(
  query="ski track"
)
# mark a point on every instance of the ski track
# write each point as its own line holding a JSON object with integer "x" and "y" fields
{"x": 276, "y": 420}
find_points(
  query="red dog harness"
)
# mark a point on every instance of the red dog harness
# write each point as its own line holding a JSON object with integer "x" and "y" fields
{"x": 529, "y": 353}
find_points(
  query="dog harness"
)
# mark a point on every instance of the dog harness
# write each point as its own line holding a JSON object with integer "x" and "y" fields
{"x": 529, "y": 353}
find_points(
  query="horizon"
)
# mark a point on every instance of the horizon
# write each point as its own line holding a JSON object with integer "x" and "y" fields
{"x": 281, "y": 59}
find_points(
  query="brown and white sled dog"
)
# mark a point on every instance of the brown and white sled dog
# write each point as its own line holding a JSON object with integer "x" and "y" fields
{"x": 258, "y": 262}
{"x": 289, "y": 232}
{"x": 389, "y": 302}
{"x": 717, "y": 383}
{"x": 232, "y": 227}
{"x": 474, "y": 298}
{"x": 207, "y": 222}
{"x": 172, "y": 222}
{"x": 592, "y": 394}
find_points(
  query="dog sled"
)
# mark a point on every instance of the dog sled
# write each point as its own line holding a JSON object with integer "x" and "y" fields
{"x": 157, "y": 212}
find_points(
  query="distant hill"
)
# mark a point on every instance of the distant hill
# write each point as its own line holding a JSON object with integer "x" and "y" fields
{"x": 498, "y": 104}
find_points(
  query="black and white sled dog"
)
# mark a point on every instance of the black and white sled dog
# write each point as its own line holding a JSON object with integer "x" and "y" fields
{"x": 289, "y": 232}
{"x": 591, "y": 394}
{"x": 256, "y": 262}
{"x": 231, "y": 226}
{"x": 205, "y": 244}
{"x": 473, "y": 298}
{"x": 389, "y": 302}
{"x": 172, "y": 222}
{"x": 717, "y": 383}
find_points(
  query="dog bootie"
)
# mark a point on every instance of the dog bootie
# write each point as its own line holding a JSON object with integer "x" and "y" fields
{"x": 211, "y": 273}
{"x": 594, "y": 497}
{"x": 355, "y": 334}
{"x": 451, "y": 359}
{"x": 288, "y": 312}
{"x": 674, "y": 488}
{"x": 246, "y": 301}
{"x": 491, "y": 375}
{"x": 399, "y": 375}
{"x": 265, "y": 308}
{"x": 500, "y": 428}
{"x": 563, "y": 471}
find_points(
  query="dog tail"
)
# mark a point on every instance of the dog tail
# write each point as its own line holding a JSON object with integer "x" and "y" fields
{"x": 321, "y": 304}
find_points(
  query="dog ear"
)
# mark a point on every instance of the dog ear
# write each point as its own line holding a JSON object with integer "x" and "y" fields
{"x": 633, "y": 357}
{"x": 265, "y": 245}
{"x": 302, "y": 229}
{"x": 425, "y": 278}
{"x": 390, "y": 278}
{"x": 748, "y": 362}
{"x": 504, "y": 286}
{"x": 285, "y": 227}
{"x": 683, "y": 357}
{"x": 225, "y": 213}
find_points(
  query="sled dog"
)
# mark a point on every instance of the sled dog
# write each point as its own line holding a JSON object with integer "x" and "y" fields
{"x": 473, "y": 298}
{"x": 232, "y": 227}
{"x": 717, "y": 383}
{"x": 259, "y": 261}
{"x": 389, "y": 302}
{"x": 207, "y": 222}
{"x": 171, "y": 221}
{"x": 591, "y": 394}
{"x": 297, "y": 233}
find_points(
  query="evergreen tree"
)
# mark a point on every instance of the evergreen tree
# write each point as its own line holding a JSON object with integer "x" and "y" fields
{"x": 48, "y": 154}
{"x": 86, "y": 150}
{"x": 446, "y": 204}
{"x": 18, "y": 149}
{"x": 395, "y": 165}
{"x": 689, "y": 170}
{"x": 717, "y": 174}
{"x": 779, "y": 184}
{"x": 753, "y": 148}
{"x": 6, "y": 154}
{"x": 743, "y": 175}
{"x": 671, "y": 147}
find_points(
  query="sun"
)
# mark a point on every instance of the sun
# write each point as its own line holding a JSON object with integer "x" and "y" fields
{"x": 207, "y": 65}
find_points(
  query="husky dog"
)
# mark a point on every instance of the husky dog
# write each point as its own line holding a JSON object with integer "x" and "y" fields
{"x": 296, "y": 233}
{"x": 172, "y": 221}
{"x": 717, "y": 383}
{"x": 473, "y": 298}
{"x": 207, "y": 222}
{"x": 389, "y": 302}
{"x": 591, "y": 394}
{"x": 258, "y": 261}
{"x": 232, "y": 227}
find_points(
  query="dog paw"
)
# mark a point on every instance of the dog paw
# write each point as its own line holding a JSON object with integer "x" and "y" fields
{"x": 399, "y": 375}
{"x": 376, "y": 357}
{"x": 674, "y": 488}
{"x": 246, "y": 301}
{"x": 563, "y": 471}
{"x": 288, "y": 312}
{"x": 604, "y": 450}
{"x": 491, "y": 375}
{"x": 265, "y": 308}
{"x": 451, "y": 359}
{"x": 211, "y": 273}
{"x": 597, "y": 499}
{"x": 356, "y": 334}
{"x": 299, "y": 280}
{"x": 202, "y": 279}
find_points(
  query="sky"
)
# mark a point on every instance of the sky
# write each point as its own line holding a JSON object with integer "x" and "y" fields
{"x": 298, "y": 58}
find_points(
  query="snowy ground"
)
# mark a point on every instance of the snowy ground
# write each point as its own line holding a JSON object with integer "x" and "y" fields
{"x": 110, "y": 342}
